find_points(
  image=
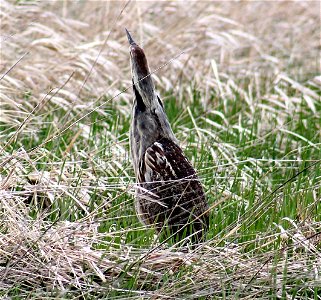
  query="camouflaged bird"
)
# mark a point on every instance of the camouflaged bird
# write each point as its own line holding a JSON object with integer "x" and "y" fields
{"x": 169, "y": 194}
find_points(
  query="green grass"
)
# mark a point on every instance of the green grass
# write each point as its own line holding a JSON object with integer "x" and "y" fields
{"x": 259, "y": 182}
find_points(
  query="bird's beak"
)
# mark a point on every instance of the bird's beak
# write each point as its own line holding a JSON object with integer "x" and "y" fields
{"x": 130, "y": 39}
{"x": 141, "y": 75}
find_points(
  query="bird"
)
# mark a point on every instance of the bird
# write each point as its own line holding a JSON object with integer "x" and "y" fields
{"x": 169, "y": 195}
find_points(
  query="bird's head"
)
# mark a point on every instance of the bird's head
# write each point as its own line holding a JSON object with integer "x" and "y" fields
{"x": 143, "y": 85}
{"x": 148, "y": 115}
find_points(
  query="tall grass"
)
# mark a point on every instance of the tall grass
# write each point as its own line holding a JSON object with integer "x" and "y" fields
{"x": 241, "y": 86}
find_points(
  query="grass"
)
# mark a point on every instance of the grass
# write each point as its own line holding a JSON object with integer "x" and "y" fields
{"x": 244, "y": 102}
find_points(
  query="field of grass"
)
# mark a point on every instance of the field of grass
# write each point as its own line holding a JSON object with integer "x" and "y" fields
{"x": 241, "y": 86}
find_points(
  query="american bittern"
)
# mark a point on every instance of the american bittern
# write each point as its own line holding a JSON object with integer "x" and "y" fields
{"x": 169, "y": 193}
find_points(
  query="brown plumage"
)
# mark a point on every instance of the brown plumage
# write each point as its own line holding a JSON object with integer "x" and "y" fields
{"x": 169, "y": 195}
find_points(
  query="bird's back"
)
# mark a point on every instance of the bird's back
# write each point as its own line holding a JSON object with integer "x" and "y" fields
{"x": 170, "y": 194}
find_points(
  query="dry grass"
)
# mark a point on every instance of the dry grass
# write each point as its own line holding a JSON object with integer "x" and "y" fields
{"x": 52, "y": 41}
{"x": 63, "y": 62}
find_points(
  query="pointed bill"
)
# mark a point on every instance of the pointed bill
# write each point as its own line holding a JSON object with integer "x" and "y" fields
{"x": 130, "y": 39}
{"x": 141, "y": 74}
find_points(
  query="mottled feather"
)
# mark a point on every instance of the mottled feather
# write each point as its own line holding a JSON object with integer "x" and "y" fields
{"x": 173, "y": 182}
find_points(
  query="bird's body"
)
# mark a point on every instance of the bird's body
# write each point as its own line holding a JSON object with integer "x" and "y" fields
{"x": 169, "y": 194}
